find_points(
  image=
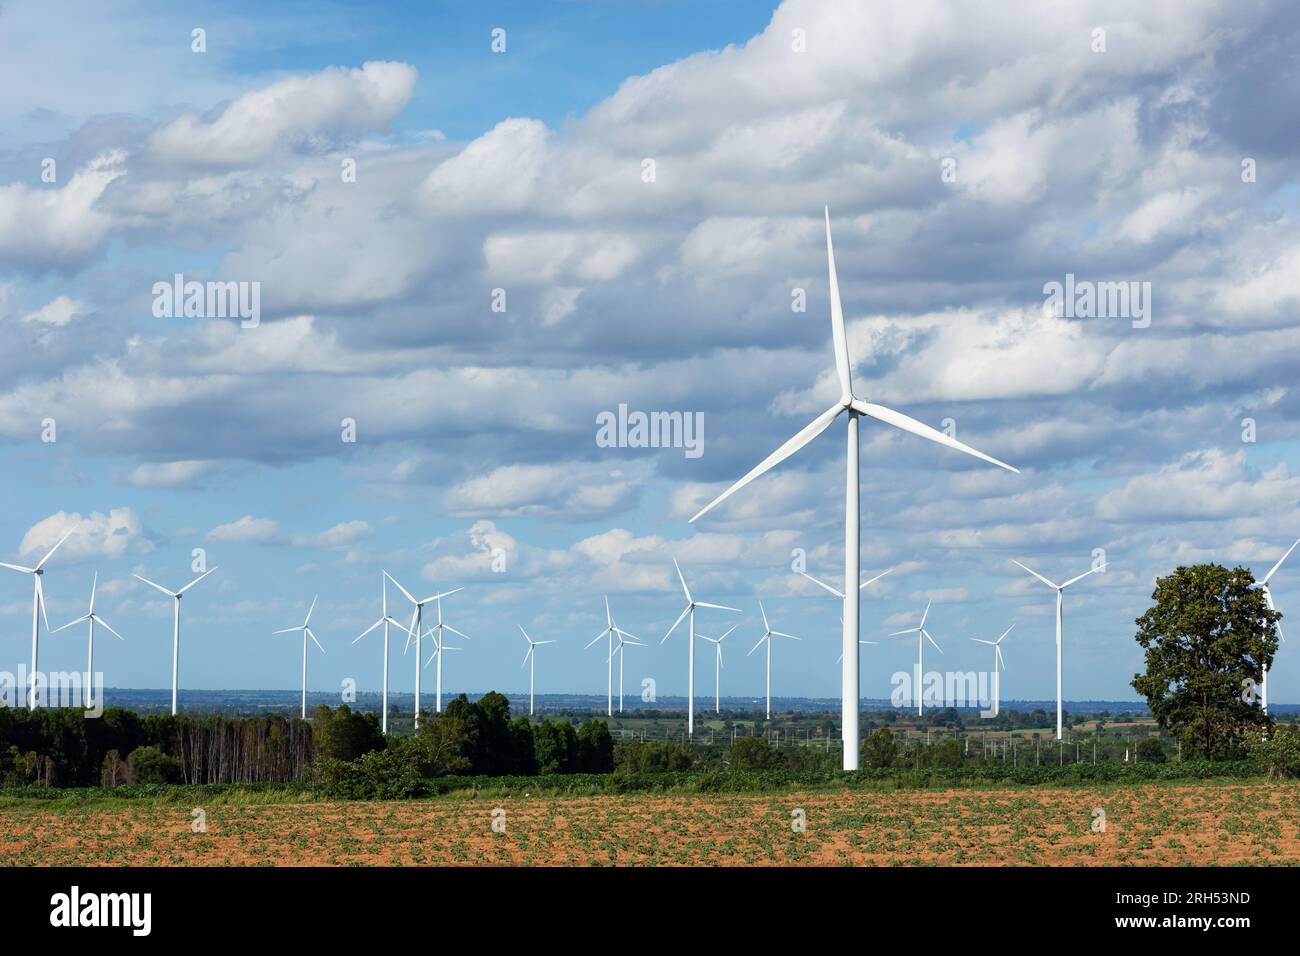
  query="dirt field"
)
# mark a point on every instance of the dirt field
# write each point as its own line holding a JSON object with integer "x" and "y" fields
{"x": 1158, "y": 824}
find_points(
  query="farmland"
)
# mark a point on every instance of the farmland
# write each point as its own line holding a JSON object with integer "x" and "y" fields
{"x": 1165, "y": 823}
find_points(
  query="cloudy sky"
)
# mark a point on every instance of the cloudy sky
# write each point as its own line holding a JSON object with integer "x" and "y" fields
{"x": 970, "y": 153}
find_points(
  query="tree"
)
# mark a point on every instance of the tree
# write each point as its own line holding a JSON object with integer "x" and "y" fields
{"x": 1149, "y": 750}
{"x": 754, "y": 753}
{"x": 555, "y": 746}
{"x": 595, "y": 748}
{"x": 1208, "y": 638}
{"x": 880, "y": 749}
{"x": 151, "y": 765}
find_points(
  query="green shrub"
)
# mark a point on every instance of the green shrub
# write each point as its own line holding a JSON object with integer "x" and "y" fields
{"x": 150, "y": 765}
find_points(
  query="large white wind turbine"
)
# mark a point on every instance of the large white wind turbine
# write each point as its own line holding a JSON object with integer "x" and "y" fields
{"x": 386, "y": 620}
{"x": 855, "y": 408}
{"x": 416, "y": 633}
{"x": 437, "y": 633}
{"x": 611, "y": 631}
{"x": 691, "y": 605}
{"x": 922, "y": 635}
{"x": 624, "y": 640}
{"x": 1058, "y": 588}
{"x": 1268, "y": 599}
{"x": 38, "y": 606}
{"x": 768, "y": 634}
{"x": 305, "y": 627}
{"x": 176, "y": 624}
{"x": 998, "y": 665}
{"x": 531, "y": 655}
{"x": 717, "y": 671}
{"x": 92, "y": 619}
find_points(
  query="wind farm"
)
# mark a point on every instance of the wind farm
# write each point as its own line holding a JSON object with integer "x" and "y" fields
{"x": 843, "y": 349}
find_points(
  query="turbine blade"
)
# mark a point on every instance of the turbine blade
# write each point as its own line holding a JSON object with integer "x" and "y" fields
{"x": 1035, "y": 574}
{"x": 439, "y": 597}
{"x": 728, "y": 631}
{"x": 865, "y": 584}
{"x": 909, "y": 424}
{"x": 94, "y": 585}
{"x": 681, "y": 577}
{"x": 367, "y": 630}
{"x": 527, "y": 654}
{"x": 154, "y": 585}
{"x": 84, "y": 617}
{"x": 766, "y": 626}
{"x": 309, "y": 610}
{"x": 931, "y": 640}
{"x": 1279, "y": 563}
{"x": 41, "y": 563}
{"x": 803, "y": 437}
{"x": 400, "y": 588}
{"x": 758, "y": 645}
{"x": 837, "y": 320}
{"x": 40, "y": 599}
{"x": 783, "y": 634}
{"x": 17, "y": 567}
{"x": 525, "y": 634}
{"x": 997, "y": 651}
{"x": 448, "y": 627}
{"x": 821, "y": 584}
{"x": 910, "y": 630}
{"x": 540, "y": 643}
{"x": 1079, "y": 577}
{"x": 1003, "y": 634}
{"x": 717, "y": 607}
{"x": 980, "y": 640}
{"x": 411, "y": 629}
{"x": 313, "y": 639}
{"x": 622, "y": 633}
{"x": 597, "y": 637}
{"x": 287, "y": 630}
{"x": 679, "y": 620}
{"x": 109, "y": 627}
{"x": 609, "y": 618}
{"x": 925, "y": 614}
{"x": 196, "y": 580}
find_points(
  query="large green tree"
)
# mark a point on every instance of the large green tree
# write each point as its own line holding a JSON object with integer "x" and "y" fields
{"x": 1208, "y": 638}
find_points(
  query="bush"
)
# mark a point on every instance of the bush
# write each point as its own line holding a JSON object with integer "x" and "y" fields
{"x": 1280, "y": 752}
{"x": 150, "y": 765}
{"x": 754, "y": 753}
{"x": 880, "y": 750}
{"x": 1150, "y": 750}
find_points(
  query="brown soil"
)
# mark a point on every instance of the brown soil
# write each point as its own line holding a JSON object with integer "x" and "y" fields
{"x": 1148, "y": 825}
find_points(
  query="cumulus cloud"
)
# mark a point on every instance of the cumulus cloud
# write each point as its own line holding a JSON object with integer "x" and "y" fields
{"x": 318, "y": 110}
{"x": 246, "y": 530}
{"x": 119, "y": 533}
{"x": 58, "y": 227}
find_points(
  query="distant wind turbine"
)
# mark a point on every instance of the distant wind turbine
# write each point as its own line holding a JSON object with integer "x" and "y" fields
{"x": 531, "y": 656}
{"x": 855, "y": 409}
{"x": 717, "y": 671}
{"x": 998, "y": 666}
{"x": 1058, "y": 588}
{"x": 922, "y": 635}
{"x": 611, "y": 631}
{"x": 416, "y": 633}
{"x": 624, "y": 640}
{"x": 92, "y": 619}
{"x": 387, "y": 620}
{"x": 1268, "y": 599}
{"x": 691, "y": 605}
{"x": 305, "y": 627}
{"x": 438, "y": 646}
{"x": 768, "y": 634}
{"x": 38, "y": 604}
{"x": 176, "y": 624}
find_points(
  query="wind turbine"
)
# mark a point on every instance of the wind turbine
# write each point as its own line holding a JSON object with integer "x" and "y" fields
{"x": 305, "y": 627}
{"x": 860, "y": 644}
{"x": 768, "y": 634}
{"x": 922, "y": 635}
{"x": 416, "y": 632}
{"x": 176, "y": 623}
{"x": 1268, "y": 599}
{"x": 717, "y": 671}
{"x": 92, "y": 619}
{"x": 38, "y": 602}
{"x": 624, "y": 639}
{"x": 611, "y": 630}
{"x": 437, "y": 632}
{"x": 1058, "y": 588}
{"x": 998, "y": 665}
{"x": 855, "y": 408}
{"x": 691, "y": 605}
{"x": 531, "y": 655}
{"x": 386, "y": 620}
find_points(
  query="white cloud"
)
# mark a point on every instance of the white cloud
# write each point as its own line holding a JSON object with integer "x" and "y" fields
{"x": 117, "y": 534}
{"x": 334, "y": 105}
{"x": 57, "y": 312}
{"x": 246, "y": 530}
{"x": 170, "y": 474}
{"x": 343, "y": 535}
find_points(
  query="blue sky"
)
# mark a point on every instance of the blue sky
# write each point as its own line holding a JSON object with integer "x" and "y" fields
{"x": 523, "y": 171}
